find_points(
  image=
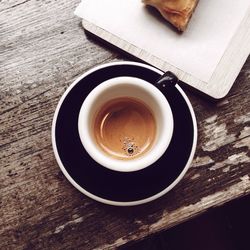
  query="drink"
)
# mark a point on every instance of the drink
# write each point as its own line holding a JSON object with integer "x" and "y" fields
{"x": 124, "y": 128}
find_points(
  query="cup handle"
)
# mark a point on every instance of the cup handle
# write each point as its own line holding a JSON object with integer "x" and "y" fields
{"x": 166, "y": 81}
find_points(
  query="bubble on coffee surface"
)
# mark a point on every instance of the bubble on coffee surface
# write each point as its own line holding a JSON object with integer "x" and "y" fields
{"x": 129, "y": 146}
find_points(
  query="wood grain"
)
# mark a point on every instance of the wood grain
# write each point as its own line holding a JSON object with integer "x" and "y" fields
{"x": 42, "y": 50}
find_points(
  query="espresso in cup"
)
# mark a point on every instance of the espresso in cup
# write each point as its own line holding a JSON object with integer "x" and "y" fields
{"x": 87, "y": 149}
{"x": 124, "y": 128}
{"x": 125, "y": 124}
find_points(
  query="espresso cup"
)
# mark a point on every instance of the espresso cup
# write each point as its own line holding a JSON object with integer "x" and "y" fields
{"x": 125, "y": 124}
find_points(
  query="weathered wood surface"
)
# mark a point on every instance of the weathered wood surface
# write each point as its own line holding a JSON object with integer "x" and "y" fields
{"x": 42, "y": 50}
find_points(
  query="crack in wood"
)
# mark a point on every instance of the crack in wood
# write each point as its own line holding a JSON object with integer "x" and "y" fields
{"x": 15, "y": 5}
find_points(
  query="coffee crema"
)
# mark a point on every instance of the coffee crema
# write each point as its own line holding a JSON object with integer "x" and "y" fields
{"x": 124, "y": 128}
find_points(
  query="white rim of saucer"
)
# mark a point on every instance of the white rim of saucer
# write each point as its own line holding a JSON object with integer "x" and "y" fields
{"x": 119, "y": 203}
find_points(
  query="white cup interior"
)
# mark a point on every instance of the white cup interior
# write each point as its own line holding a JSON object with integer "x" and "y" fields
{"x": 134, "y": 88}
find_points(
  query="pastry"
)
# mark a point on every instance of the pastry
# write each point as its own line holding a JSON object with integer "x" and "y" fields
{"x": 177, "y": 12}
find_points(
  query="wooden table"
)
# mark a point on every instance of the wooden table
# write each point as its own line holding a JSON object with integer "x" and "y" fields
{"x": 42, "y": 50}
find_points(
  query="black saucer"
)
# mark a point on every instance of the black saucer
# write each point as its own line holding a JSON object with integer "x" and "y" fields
{"x": 110, "y": 186}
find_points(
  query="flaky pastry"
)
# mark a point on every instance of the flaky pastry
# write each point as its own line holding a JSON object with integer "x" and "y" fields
{"x": 177, "y": 12}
